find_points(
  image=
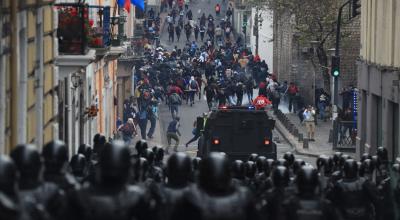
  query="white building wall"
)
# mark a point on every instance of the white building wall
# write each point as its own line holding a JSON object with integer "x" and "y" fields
{"x": 265, "y": 43}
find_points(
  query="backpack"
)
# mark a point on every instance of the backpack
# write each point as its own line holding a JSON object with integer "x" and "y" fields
{"x": 174, "y": 99}
{"x": 193, "y": 84}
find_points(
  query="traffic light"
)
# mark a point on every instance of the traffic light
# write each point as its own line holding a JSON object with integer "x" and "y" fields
{"x": 335, "y": 69}
{"x": 244, "y": 29}
{"x": 356, "y": 7}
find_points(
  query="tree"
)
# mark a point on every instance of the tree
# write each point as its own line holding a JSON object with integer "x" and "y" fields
{"x": 315, "y": 20}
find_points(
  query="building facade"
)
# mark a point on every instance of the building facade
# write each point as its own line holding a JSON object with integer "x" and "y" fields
{"x": 295, "y": 60}
{"x": 379, "y": 77}
{"x": 28, "y": 78}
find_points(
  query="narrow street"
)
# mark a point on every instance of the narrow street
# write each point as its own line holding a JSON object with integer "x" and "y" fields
{"x": 187, "y": 113}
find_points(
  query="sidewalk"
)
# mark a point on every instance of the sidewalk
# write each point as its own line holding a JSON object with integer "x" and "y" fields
{"x": 320, "y": 146}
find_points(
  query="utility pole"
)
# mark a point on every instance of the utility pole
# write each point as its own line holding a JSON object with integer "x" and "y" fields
{"x": 257, "y": 29}
{"x": 336, "y": 78}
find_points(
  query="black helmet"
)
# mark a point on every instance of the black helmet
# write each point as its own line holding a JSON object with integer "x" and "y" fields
{"x": 282, "y": 162}
{"x": 114, "y": 163}
{"x": 350, "y": 169}
{"x": 307, "y": 180}
{"x": 289, "y": 157}
{"x": 78, "y": 165}
{"x": 280, "y": 176}
{"x": 149, "y": 155}
{"x": 297, "y": 165}
{"x": 250, "y": 169}
{"x": 336, "y": 158}
{"x": 140, "y": 169}
{"x": 86, "y": 151}
{"x": 179, "y": 168}
{"x": 367, "y": 167}
{"x": 98, "y": 143}
{"x": 342, "y": 160}
{"x": 55, "y": 155}
{"x": 382, "y": 154}
{"x": 196, "y": 163}
{"x": 238, "y": 169}
{"x": 8, "y": 176}
{"x": 29, "y": 163}
{"x": 260, "y": 163}
{"x": 215, "y": 174}
{"x": 269, "y": 166}
{"x": 253, "y": 157}
{"x": 141, "y": 146}
{"x": 158, "y": 154}
{"x": 365, "y": 156}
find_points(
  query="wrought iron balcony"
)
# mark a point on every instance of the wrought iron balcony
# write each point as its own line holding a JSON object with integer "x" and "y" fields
{"x": 73, "y": 28}
{"x": 99, "y": 36}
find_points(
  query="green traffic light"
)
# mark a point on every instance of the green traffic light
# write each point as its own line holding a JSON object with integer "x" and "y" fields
{"x": 336, "y": 73}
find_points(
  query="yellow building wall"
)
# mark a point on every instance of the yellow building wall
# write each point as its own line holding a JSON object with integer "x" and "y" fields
{"x": 31, "y": 23}
{"x": 31, "y": 96}
{"x": 31, "y": 57}
{"x": 380, "y": 32}
{"x": 396, "y": 33}
{"x": 47, "y": 108}
{"x": 48, "y": 19}
{"x": 48, "y": 48}
{"x": 48, "y": 79}
{"x": 31, "y": 125}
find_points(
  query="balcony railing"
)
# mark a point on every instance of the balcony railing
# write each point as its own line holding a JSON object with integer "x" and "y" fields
{"x": 72, "y": 28}
{"x": 99, "y": 27}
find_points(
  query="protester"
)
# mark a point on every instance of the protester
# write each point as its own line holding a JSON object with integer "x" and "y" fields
{"x": 309, "y": 120}
{"x": 172, "y": 133}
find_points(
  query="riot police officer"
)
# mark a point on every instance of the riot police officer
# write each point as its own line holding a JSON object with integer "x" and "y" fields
{"x": 215, "y": 187}
{"x": 111, "y": 197}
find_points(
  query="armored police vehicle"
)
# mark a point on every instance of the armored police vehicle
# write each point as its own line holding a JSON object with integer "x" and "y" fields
{"x": 237, "y": 131}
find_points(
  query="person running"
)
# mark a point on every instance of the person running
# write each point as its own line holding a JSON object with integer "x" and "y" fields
{"x": 193, "y": 89}
{"x": 198, "y": 130}
{"x": 196, "y": 32}
{"x": 128, "y": 131}
{"x": 210, "y": 93}
{"x": 202, "y": 32}
{"x": 217, "y": 9}
{"x": 172, "y": 133}
{"x": 188, "y": 31}
{"x": 178, "y": 32}
{"x": 171, "y": 32}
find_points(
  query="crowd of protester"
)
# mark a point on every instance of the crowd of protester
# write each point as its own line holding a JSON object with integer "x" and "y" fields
{"x": 109, "y": 181}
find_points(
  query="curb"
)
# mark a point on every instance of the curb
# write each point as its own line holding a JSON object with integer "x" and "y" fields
{"x": 292, "y": 140}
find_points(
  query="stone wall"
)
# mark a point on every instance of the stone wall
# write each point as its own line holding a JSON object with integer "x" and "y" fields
{"x": 293, "y": 61}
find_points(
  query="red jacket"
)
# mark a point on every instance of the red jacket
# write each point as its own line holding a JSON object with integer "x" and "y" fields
{"x": 292, "y": 90}
{"x": 175, "y": 89}
{"x": 260, "y": 102}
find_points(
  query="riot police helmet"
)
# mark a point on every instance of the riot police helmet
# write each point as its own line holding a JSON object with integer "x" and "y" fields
{"x": 382, "y": 154}
{"x": 260, "y": 163}
{"x": 196, "y": 163}
{"x": 215, "y": 174}
{"x": 238, "y": 169}
{"x": 350, "y": 169}
{"x": 289, "y": 157}
{"x": 55, "y": 155}
{"x": 250, "y": 169}
{"x": 8, "y": 176}
{"x": 78, "y": 165}
{"x": 28, "y": 162}
{"x": 86, "y": 151}
{"x": 179, "y": 168}
{"x": 280, "y": 176}
{"x": 307, "y": 180}
{"x": 114, "y": 163}
{"x": 297, "y": 165}
{"x": 253, "y": 157}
